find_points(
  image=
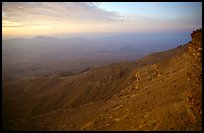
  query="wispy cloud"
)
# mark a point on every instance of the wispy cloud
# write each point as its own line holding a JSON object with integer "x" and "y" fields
{"x": 13, "y": 26}
{"x": 43, "y": 18}
{"x": 157, "y": 24}
{"x": 29, "y": 13}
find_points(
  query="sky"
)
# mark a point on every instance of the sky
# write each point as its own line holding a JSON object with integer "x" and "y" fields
{"x": 30, "y": 19}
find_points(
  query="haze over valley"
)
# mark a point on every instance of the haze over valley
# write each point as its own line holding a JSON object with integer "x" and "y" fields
{"x": 47, "y": 55}
{"x": 124, "y": 66}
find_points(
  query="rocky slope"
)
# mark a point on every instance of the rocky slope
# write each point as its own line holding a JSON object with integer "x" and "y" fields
{"x": 161, "y": 91}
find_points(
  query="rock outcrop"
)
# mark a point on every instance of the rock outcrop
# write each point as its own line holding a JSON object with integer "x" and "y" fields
{"x": 162, "y": 91}
{"x": 195, "y": 46}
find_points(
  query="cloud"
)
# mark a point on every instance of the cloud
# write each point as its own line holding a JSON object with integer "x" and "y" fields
{"x": 30, "y": 13}
{"x": 19, "y": 26}
{"x": 139, "y": 23}
{"x": 42, "y": 18}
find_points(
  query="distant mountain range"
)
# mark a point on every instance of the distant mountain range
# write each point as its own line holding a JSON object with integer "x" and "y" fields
{"x": 158, "y": 92}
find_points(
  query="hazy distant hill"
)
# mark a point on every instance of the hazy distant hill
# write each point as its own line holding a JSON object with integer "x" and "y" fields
{"x": 161, "y": 91}
{"x": 48, "y": 55}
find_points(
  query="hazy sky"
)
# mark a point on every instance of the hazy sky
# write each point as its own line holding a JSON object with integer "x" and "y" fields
{"x": 29, "y": 19}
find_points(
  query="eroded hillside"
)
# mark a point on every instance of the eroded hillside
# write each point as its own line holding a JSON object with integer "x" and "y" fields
{"x": 161, "y": 91}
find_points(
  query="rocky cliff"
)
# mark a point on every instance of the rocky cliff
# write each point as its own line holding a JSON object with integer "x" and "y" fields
{"x": 162, "y": 91}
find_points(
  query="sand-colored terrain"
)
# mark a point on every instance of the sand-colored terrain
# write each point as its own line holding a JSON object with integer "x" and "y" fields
{"x": 161, "y": 91}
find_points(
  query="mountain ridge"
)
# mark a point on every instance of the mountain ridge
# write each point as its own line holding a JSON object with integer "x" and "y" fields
{"x": 161, "y": 91}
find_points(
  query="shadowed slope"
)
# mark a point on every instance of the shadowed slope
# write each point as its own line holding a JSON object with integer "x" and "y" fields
{"x": 161, "y": 91}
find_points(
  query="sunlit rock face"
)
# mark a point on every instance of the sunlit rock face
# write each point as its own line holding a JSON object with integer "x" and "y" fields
{"x": 195, "y": 47}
